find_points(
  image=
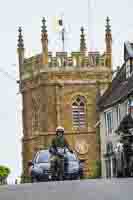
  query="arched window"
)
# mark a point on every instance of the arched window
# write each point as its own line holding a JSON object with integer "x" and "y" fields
{"x": 79, "y": 112}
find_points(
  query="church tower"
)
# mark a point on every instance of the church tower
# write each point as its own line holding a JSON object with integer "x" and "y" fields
{"x": 62, "y": 90}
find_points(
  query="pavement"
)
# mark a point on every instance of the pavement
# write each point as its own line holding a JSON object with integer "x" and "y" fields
{"x": 109, "y": 189}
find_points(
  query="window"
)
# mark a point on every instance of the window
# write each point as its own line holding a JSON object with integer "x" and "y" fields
{"x": 118, "y": 113}
{"x": 78, "y": 113}
{"x": 131, "y": 62}
{"x": 43, "y": 157}
{"x": 130, "y": 106}
{"x": 109, "y": 122}
{"x": 109, "y": 148}
{"x": 126, "y": 106}
{"x": 128, "y": 69}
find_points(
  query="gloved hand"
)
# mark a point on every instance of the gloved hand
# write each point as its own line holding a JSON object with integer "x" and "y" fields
{"x": 71, "y": 151}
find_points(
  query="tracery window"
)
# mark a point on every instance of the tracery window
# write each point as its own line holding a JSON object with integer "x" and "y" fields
{"x": 79, "y": 112}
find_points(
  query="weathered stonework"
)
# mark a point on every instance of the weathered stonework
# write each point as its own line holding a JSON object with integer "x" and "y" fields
{"x": 48, "y": 90}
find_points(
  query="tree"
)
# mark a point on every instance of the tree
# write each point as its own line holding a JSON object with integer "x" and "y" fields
{"x": 4, "y": 172}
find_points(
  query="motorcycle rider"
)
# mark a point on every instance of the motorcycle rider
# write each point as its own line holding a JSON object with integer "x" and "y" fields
{"x": 58, "y": 142}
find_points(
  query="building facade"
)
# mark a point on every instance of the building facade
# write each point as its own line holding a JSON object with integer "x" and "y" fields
{"x": 116, "y": 109}
{"x": 62, "y": 90}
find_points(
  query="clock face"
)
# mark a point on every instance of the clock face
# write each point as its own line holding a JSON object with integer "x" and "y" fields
{"x": 81, "y": 146}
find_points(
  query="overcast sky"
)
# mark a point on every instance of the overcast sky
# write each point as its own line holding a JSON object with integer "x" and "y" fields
{"x": 29, "y": 14}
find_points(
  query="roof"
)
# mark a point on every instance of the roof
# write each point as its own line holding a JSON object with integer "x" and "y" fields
{"x": 120, "y": 88}
{"x": 116, "y": 93}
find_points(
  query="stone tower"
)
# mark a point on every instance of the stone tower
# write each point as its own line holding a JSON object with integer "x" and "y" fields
{"x": 62, "y": 90}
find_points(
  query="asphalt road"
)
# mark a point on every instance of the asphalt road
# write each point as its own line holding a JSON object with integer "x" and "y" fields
{"x": 115, "y": 189}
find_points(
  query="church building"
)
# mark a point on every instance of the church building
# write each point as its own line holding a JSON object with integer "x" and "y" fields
{"x": 62, "y": 90}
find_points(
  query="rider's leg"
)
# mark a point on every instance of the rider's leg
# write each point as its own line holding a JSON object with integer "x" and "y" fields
{"x": 53, "y": 166}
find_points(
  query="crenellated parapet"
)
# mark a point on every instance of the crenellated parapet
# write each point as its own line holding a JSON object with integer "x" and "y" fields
{"x": 62, "y": 61}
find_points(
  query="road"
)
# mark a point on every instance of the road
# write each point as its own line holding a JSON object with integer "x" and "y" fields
{"x": 115, "y": 189}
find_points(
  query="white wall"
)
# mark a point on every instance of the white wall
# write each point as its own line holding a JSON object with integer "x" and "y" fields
{"x": 114, "y": 138}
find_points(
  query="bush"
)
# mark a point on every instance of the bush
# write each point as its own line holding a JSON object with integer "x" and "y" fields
{"x": 4, "y": 172}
